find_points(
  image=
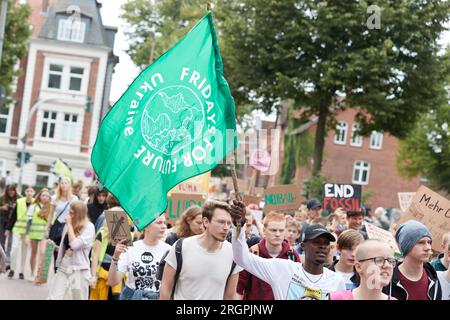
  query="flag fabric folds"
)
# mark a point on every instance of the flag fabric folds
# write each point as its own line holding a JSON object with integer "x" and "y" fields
{"x": 175, "y": 121}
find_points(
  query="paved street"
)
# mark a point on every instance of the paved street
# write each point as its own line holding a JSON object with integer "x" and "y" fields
{"x": 16, "y": 289}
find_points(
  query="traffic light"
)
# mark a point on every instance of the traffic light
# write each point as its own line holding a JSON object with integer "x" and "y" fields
{"x": 18, "y": 159}
{"x": 88, "y": 103}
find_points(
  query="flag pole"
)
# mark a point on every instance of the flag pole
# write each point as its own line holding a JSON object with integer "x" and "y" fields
{"x": 236, "y": 191}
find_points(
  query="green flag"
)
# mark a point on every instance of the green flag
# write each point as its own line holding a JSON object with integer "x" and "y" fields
{"x": 61, "y": 169}
{"x": 175, "y": 121}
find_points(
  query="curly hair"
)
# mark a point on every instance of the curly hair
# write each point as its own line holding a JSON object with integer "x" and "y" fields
{"x": 182, "y": 226}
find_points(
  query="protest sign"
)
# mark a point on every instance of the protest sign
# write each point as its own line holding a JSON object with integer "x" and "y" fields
{"x": 248, "y": 199}
{"x": 374, "y": 232}
{"x": 45, "y": 261}
{"x": 405, "y": 199}
{"x": 431, "y": 209}
{"x": 179, "y": 202}
{"x": 282, "y": 198}
{"x": 346, "y": 196}
{"x": 118, "y": 227}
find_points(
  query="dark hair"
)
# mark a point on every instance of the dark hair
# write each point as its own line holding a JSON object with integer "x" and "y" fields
{"x": 6, "y": 197}
{"x": 355, "y": 213}
{"x": 209, "y": 207}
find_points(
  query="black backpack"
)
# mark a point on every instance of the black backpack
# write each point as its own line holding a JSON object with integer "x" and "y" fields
{"x": 179, "y": 257}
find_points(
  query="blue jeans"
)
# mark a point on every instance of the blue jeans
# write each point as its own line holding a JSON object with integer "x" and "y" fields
{"x": 140, "y": 294}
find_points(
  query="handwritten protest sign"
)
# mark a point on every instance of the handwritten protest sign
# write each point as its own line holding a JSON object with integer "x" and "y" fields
{"x": 248, "y": 199}
{"x": 282, "y": 198}
{"x": 179, "y": 202}
{"x": 374, "y": 232}
{"x": 44, "y": 265}
{"x": 118, "y": 226}
{"x": 346, "y": 196}
{"x": 405, "y": 199}
{"x": 431, "y": 209}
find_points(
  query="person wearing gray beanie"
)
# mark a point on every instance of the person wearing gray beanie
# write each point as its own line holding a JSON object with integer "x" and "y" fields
{"x": 415, "y": 278}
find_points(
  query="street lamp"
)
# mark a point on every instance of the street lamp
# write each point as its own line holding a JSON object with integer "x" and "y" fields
{"x": 24, "y": 139}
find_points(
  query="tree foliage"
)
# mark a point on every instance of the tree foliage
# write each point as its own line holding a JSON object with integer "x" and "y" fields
{"x": 319, "y": 53}
{"x": 17, "y": 32}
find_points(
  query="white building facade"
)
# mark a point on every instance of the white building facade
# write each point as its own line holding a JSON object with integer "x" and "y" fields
{"x": 67, "y": 72}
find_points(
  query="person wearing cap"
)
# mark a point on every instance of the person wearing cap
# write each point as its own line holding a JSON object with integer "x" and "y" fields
{"x": 415, "y": 278}
{"x": 290, "y": 280}
{"x": 314, "y": 207}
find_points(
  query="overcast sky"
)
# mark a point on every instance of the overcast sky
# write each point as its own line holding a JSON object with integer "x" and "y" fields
{"x": 126, "y": 71}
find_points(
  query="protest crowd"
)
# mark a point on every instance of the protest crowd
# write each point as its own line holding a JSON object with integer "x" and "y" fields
{"x": 298, "y": 254}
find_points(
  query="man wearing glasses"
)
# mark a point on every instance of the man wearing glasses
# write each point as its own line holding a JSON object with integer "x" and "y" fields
{"x": 291, "y": 280}
{"x": 375, "y": 264}
{"x": 207, "y": 272}
{"x": 415, "y": 278}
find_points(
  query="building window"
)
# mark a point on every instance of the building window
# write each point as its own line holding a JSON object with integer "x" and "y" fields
{"x": 65, "y": 77}
{"x": 70, "y": 125}
{"x": 44, "y": 6}
{"x": 376, "y": 140}
{"x": 76, "y": 77}
{"x": 361, "y": 171}
{"x": 4, "y": 113}
{"x": 48, "y": 125}
{"x": 55, "y": 76}
{"x": 356, "y": 139}
{"x": 71, "y": 30}
{"x": 42, "y": 175}
{"x": 341, "y": 132}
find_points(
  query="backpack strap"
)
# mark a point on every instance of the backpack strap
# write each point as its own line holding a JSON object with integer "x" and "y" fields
{"x": 179, "y": 257}
{"x": 233, "y": 265}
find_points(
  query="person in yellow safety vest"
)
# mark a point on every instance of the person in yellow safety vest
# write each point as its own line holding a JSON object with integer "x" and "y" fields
{"x": 102, "y": 252}
{"x": 40, "y": 223}
{"x": 22, "y": 222}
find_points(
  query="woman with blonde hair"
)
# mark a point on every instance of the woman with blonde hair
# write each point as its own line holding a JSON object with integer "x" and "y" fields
{"x": 40, "y": 223}
{"x": 71, "y": 282}
{"x": 189, "y": 224}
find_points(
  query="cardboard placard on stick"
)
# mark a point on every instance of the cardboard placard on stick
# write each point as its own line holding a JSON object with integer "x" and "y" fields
{"x": 346, "y": 196}
{"x": 118, "y": 227}
{"x": 431, "y": 209}
{"x": 179, "y": 202}
{"x": 282, "y": 198}
{"x": 248, "y": 199}
{"x": 45, "y": 261}
{"x": 374, "y": 232}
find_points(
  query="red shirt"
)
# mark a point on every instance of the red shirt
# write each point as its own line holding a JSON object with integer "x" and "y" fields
{"x": 417, "y": 290}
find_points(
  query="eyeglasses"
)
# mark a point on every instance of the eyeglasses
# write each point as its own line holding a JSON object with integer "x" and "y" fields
{"x": 379, "y": 261}
{"x": 223, "y": 223}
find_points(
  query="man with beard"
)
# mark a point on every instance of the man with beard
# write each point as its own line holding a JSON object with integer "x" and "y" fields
{"x": 208, "y": 271}
{"x": 291, "y": 280}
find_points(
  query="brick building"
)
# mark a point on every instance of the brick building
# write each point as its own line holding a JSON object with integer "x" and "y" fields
{"x": 69, "y": 63}
{"x": 368, "y": 161}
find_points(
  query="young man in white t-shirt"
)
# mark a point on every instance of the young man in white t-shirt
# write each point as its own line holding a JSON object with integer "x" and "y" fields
{"x": 141, "y": 262}
{"x": 444, "y": 277}
{"x": 207, "y": 272}
{"x": 291, "y": 280}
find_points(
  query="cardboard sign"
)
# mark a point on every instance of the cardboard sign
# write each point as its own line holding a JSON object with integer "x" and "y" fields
{"x": 431, "y": 209}
{"x": 179, "y": 202}
{"x": 282, "y": 198}
{"x": 44, "y": 265}
{"x": 373, "y": 232}
{"x": 346, "y": 196}
{"x": 197, "y": 184}
{"x": 243, "y": 185}
{"x": 118, "y": 227}
{"x": 259, "y": 191}
{"x": 405, "y": 199}
{"x": 251, "y": 199}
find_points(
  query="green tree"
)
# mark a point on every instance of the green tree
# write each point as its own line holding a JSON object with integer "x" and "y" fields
{"x": 323, "y": 55}
{"x": 17, "y": 32}
{"x": 426, "y": 151}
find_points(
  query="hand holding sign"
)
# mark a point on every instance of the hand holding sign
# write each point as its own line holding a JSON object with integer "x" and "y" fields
{"x": 118, "y": 226}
